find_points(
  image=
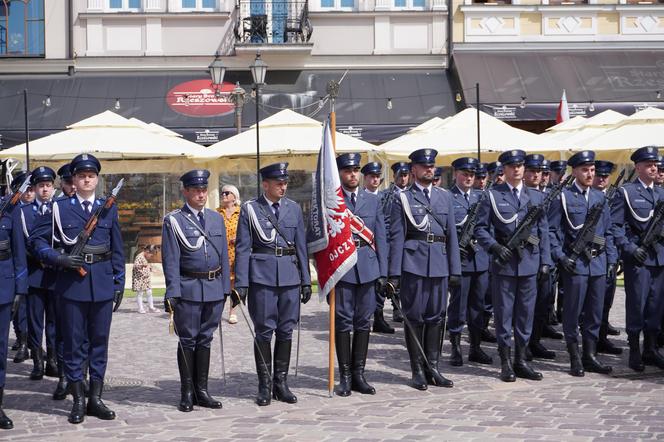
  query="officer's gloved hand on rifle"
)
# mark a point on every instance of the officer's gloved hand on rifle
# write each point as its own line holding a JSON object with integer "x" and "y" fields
{"x": 239, "y": 295}
{"x": 640, "y": 255}
{"x": 567, "y": 264}
{"x": 611, "y": 272}
{"x": 381, "y": 284}
{"x": 71, "y": 262}
{"x": 501, "y": 252}
{"x": 395, "y": 282}
{"x": 117, "y": 299}
{"x": 543, "y": 272}
{"x": 454, "y": 281}
{"x": 305, "y": 293}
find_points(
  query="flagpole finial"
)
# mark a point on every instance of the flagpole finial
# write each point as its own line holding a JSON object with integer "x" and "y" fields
{"x": 333, "y": 89}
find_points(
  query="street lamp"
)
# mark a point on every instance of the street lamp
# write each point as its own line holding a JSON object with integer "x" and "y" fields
{"x": 237, "y": 95}
{"x": 258, "y": 71}
{"x": 217, "y": 71}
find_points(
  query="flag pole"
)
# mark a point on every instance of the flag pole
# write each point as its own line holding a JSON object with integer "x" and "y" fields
{"x": 332, "y": 91}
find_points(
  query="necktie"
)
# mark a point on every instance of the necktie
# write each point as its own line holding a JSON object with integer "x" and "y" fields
{"x": 465, "y": 195}
{"x": 352, "y": 199}
{"x": 650, "y": 191}
{"x": 275, "y": 206}
{"x": 46, "y": 208}
{"x": 86, "y": 207}
{"x": 515, "y": 192}
{"x": 426, "y": 193}
{"x": 201, "y": 219}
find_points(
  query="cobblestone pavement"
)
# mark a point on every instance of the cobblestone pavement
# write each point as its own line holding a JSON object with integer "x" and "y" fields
{"x": 143, "y": 389}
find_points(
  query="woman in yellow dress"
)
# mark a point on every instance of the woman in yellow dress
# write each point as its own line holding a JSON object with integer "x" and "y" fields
{"x": 230, "y": 211}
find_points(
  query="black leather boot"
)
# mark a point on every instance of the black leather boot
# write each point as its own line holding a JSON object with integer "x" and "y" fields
{"x": 86, "y": 384}
{"x": 202, "y": 368}
{"x": 506, "y": 369}
{"x": 96, "y": 406}
{"x": 380, "y": 325}
{"x": 51, "y": 364}
{"x": 521, "y": 367}
{"x": 342, "y": 343}
{"x": 5, "y": 422}
{"x": 590, "y": 361}
{"x": 17, "y": 342}
{"x": 635, "y": 360}
{"x": 22, "y": 353}
{"x": 456, "y": 358}
{"x": 418, "y": 381}
{"x": 77, "y": 414}
{"x": 263, "y": 359}
{"x": 62, "y": 389}
{"x": 553, "y": 320}
{"x": 486, "y": 335}
{"x": 396, "y": 315}
{"x": 604, "y": 345}
{"x": 476, "y": 354}
{"x": 576, "y": 365}
{"x": 549, "y": 332}
{"x": 280, "y": 390}
{"x": 611, "y": 330}
{"x": 652, "y": 356}
{"x": 186, "y": 367}
{"x": 432, "y": 350}
{"x": 37, "y": 372}
{"x": 538, "y": 350}
{"x": 358, "y": 362}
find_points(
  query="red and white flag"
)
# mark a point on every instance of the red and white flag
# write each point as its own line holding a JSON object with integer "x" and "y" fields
{"x": 563, "y": 109}
{"x": 329, "y": 236}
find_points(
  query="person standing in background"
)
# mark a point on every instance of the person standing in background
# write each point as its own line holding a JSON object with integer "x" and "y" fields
{"x": 141, "y": 277}
{"x": 230, "y": 211}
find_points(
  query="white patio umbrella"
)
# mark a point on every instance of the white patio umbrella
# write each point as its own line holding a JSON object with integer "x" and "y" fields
{"x": 643, "y": 128}
{"x": 591, "y": 128}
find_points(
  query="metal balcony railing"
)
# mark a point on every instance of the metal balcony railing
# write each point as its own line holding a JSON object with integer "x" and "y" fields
{"x": 273, "y": 21}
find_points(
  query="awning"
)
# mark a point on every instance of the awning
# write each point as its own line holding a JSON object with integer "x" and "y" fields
{"x": 187, "y": 104}
{"x": 624, "y": 81}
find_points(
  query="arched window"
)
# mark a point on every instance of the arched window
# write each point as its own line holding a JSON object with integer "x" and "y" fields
{"x": 21, "y": 28}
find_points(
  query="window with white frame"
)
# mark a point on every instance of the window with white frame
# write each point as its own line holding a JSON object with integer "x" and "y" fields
{"x": 198, "y": 5}
{"x": 124, "y": 5}
{"x": 409, "y": 4}
{"x": 338, "y": 4}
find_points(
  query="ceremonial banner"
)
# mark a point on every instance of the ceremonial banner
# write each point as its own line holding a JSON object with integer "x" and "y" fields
{"x": 329, "y": 236}
{"x": 563, "y": 109}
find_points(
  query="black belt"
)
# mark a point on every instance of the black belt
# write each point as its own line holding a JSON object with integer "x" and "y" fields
{"x": 276, "y": 251}
{"x": 210, "y": 276}
{"x": 92, "y": 258}
{"x": 424, "y": 236}
{"x": 5, "y": 254}
{"x": 359, "y": 242}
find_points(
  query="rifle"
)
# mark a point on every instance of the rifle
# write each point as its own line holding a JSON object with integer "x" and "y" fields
{"x": 8, "y": 204}
{"x": 387, "y": 197}
{"x": 468, "y": 229}
{"x": 655, "y": 231}
{"x": 91, "y": 225}
{"x": 587, "y": 236}
{"x": 522, "y": 234}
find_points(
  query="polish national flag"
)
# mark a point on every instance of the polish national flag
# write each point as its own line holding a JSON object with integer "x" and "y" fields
{"x": 563, "y": 109}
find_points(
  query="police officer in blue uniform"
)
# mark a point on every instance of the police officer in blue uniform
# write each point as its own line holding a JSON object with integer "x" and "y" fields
{"x": 401, "y": 177}
{"x": 87, "y": 302}
{"x": 659, "y": 182}
{"x": 66, "y": 182}
{"x": 14, "y": 273}
{"x": 481, "y": 176}
{"x": 372, "y": 173}
{"x": 41, "y": 280}
{"x": 583, "y": 275}
{"x": 643, "y": 264}
{"x": 438, "y": 177}
{"x": 20, "y": 313}
{"x": 197, "y": 273}
{"x": 496, "y": 172}
{"x": 545, "y": 167}
{"x": 355, "y": 291}
{"x": 558, "y": 170}
{"x": 533, "y": 180}
{"x": 272, "y": 271}
{"x": 424, "y": 257}
{"x": 601, "y": 183}
{"x": 467, "y": 300}
{"x": 514, "y": 283}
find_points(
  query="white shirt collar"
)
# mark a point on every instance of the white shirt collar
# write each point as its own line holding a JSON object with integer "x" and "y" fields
{"x": 369, "y": 191}
{"x": 581, "y": 190}
{"x": 349, "y": 192}
{"x": 518, "y": 188}
{"x": 194, "y": 211}
{"x": 462, "y": 192}
{"x": 81, "y": 199}
{"x": 421, "y": 187}
{"x": 270, "y": 202}
{"x": 651, "y": 186}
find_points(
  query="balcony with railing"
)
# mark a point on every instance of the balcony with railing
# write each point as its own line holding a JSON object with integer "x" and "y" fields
{"x": 272, "y": 22}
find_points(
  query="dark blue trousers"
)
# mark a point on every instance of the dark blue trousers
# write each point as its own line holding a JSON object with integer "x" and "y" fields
{"x": 274, "y": 310}
{"x": 423, "y": 298}
{"x": 467, "y": 302}
{"x": 608, "y": 299}
{"x": 514, "y": 306}
{"x": 354, "y": 306}
{"x": 544, "y": 298}
{"x": 86, "y": 329}
{"x": 5, "y": 318}
{"x": 584, "y": 295}
{"x": 644, "y": 297}
{"x": 20, "y": 318}
{"x": 195, "y": 322}
{"x": 41, "y": 304}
